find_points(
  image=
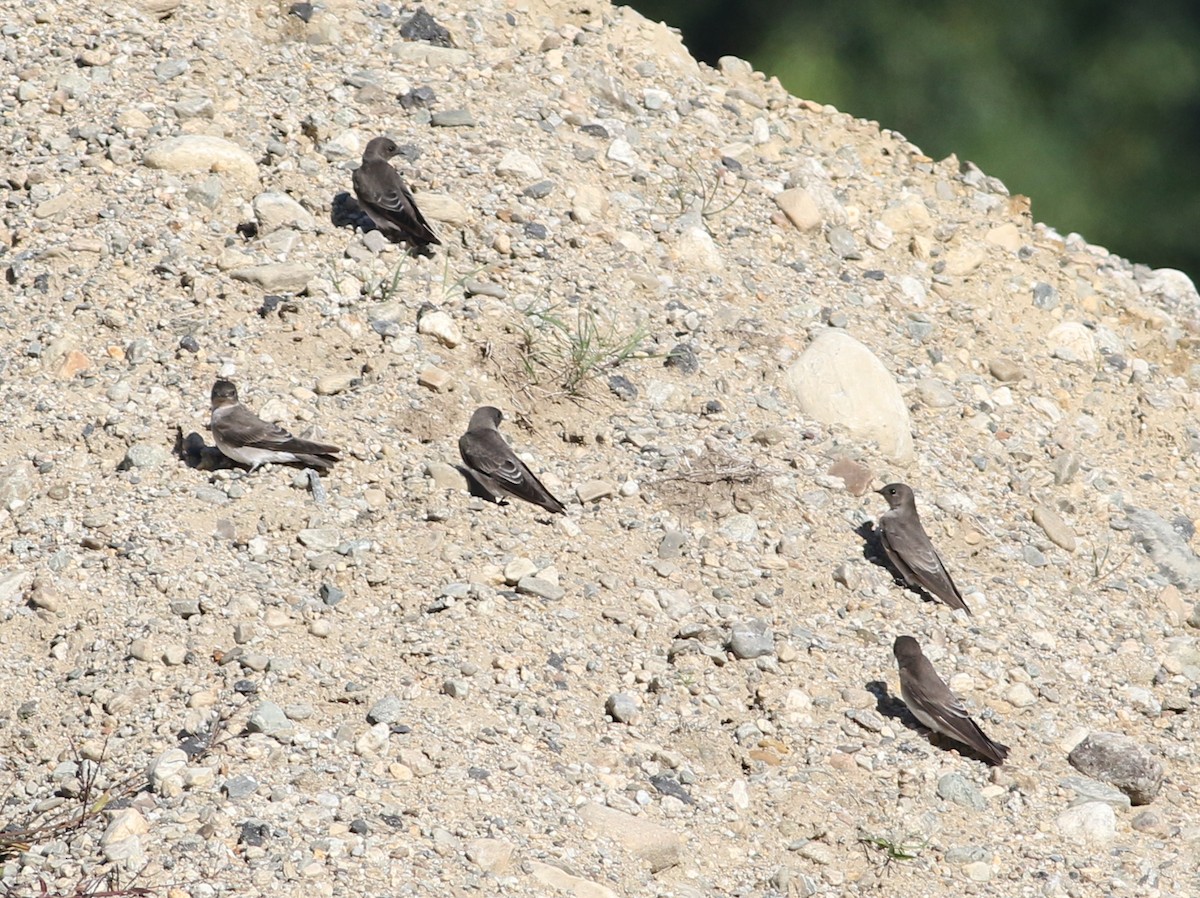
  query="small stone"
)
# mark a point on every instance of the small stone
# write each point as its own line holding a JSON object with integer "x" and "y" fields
{"x": 452, "y": 118}
{"x": 857, "y": 476}
{"x": 843, "y": 243}
{"x": 274, "y": 210}
{"x": 445, "y": 476}
{"x": 1093, "y": 822}
{"x": 751, "y": 639}
{"x": 145, "y": 456}
{"x": 955, "y": 788}
{"x": 440, "y": 326}
{"x": 683, "y": 359}
{"x": 800, "y": 208}
{"x": 435, "y": 379}
{"x": 1087, "y": 789}
{"x": 540, "y": 587}
{"x": 517, "y": 569}
{"x": 169, "y": 765}
{"x": 622, "y": 708}
{"x": 490, "y": 855}
{"x": 1122, "y": 762}
{"x": 319, "y": 539}
{"x": 1005, "y": 370}
{"x": 239, "y": 787}
{"x": 1055, "y": 528}
{"x": 655, "y": 844}
{"x": 268, "y": 718}
{"x": 1020, "y": 695}
{"x": 388, "y": 710}
{"x": 594, "y": 490}
{"x": 518, "y": 166}
{"x": 275, "y": 277}
{"x": 332, "y": 384}
{"x": 456, "y": 688}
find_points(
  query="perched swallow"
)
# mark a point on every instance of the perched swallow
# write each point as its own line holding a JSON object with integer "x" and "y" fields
{"x": 931, "y": 702}
{"x": 494, "y": 465}
{"x": 246, "y": 438}
{"x": 909, "y": 550}
{"x": 385, "y": 197}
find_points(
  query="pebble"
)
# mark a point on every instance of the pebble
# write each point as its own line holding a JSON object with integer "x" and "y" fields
{"x": 436, "y": 379}
{"x": 268, "y": 718}
{"x": 388, "y": 710}
{"x": 337, "y": 382}
{"x": 440, "y": 326}
{"x": 595, "y": 490}
{"x": 540, "y": 587}
{"x": 274, "y": 210}
{"x": 275, "y": 277}
{"x": 1091, "y": 823}
{"x": 1005, "y": 370}
{"x": 955, "y": 788}
{"x": 1054, "y": 527}
{"x": 800, "y": 208}
{"x": 518, "y": 165}
{"x": 622, "y": 708}
{"x": 751, "y": 639}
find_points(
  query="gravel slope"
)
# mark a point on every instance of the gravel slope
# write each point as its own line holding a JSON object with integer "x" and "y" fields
{"x": 377, "y": 684}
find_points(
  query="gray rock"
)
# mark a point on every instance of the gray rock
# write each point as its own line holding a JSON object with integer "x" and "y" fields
{"x": 1087, "y": 789}
{"x": 740, "y": 528}
{"x": 319, "y": 539}
{"x": 389, "y": 709}
{"x": 955, "y": 788}
{"x": 169, "y": 765}
{"x": 655, "y": 844}
{"x": 542, "y": 588}
{"x": 274, "y": 210}
{"x": 453, "y": 118}
{"x": 16, "y": 484}
{"x": 1121, "y": 761}
{"x": 622, "y": 708}
{"x": 839, "y": 381}
{"x": 275, "y": 277}
{"x": 1175, "y": 559}
{"x": 240, "y": 786}
{"x": 672, "y": 543}
{"x": 1005, "y": 370}
{"x": 843, "y": 243}
{"x": 268, "y": 718}
{"x": 145, "y": 456}
{"x": 751, "y": 639}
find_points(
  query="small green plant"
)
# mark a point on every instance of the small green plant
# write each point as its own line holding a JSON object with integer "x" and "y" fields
{"x": 691, "y": 191}
{"x": 884, "y": 851}
{"x": 385, "y": 288}
{"x": 570, "y": 349}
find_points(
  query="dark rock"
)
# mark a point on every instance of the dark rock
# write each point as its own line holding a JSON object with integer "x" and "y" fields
{"x": 423, "y": 27}
{"x": 1120, "y": 761}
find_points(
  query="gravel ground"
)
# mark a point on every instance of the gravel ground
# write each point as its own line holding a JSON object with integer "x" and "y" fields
{"x": 375, "y": 683}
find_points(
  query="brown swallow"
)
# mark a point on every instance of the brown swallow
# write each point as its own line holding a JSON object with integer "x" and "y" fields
{"x": 909, "y": 550}
{"x": 247, "y": 439}
{"x": 933, "y": 704}
{"x": 496, "y": 467}
{"x": 385, "y": 197}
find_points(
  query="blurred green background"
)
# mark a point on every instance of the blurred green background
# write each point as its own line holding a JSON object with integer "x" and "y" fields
{"x": 1092, "y": 109}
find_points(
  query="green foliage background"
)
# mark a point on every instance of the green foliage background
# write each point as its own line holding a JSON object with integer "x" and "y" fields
{"x": 1090, "y": 108}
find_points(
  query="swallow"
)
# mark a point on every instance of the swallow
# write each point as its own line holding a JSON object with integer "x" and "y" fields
{"x": 244, "y": 437}
{"x": 909, "y": 550}
{"x": 933, "y": 704}
{"x": 385, "y": 197}
{"x": 496, "y": 467}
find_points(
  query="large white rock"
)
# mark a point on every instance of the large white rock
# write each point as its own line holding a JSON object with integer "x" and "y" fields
{"x": 202, "y": 153}
{"x": 838, "y": 381}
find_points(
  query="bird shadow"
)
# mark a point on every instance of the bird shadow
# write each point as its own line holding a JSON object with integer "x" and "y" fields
{"x": 892, "y": 706}
{"x": 346, "y": 212}
{"x": 874, "y": 552}
{"x": 198, "y": 455}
